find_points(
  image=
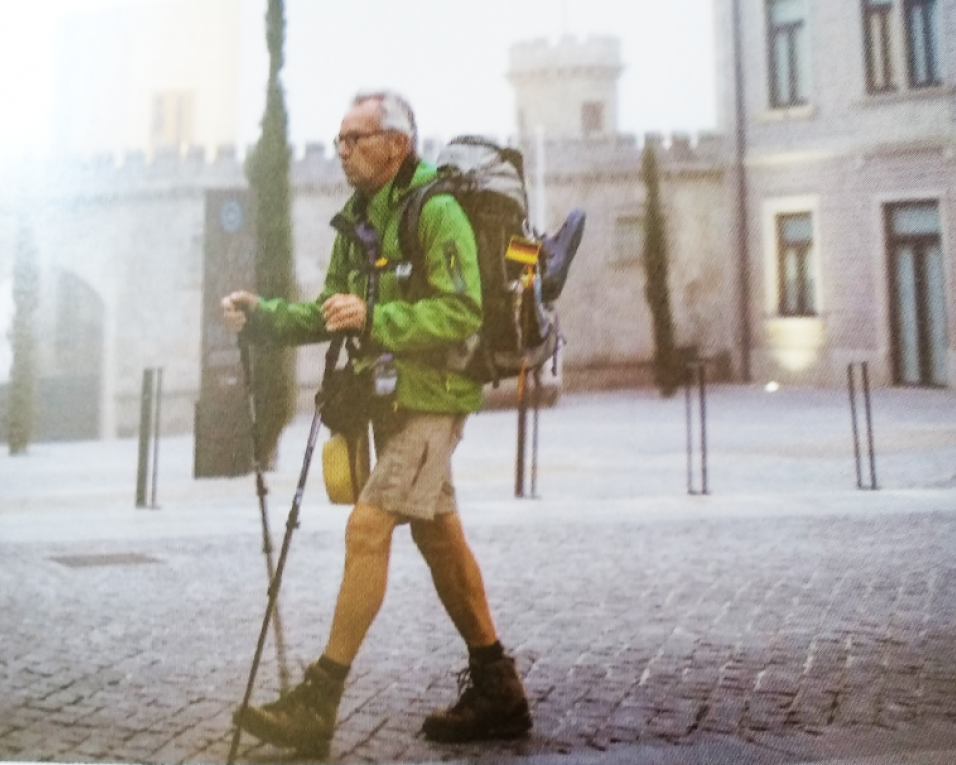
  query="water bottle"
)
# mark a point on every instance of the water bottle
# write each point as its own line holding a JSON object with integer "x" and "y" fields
{"x": 385, "y": 375}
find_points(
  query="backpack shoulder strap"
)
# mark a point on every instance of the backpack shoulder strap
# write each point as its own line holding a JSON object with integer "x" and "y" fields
{"x": 409, "y": 241}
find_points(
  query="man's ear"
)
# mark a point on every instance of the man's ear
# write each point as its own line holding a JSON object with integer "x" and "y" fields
{"x": 402, "y": 144}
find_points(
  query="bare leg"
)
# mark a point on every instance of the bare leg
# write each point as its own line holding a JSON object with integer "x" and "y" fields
{"x": 457, "y": 577}
{"x": 368, "y": 544}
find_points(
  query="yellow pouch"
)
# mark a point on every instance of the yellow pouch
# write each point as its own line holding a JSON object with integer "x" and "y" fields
{"x": 346, "y": 464}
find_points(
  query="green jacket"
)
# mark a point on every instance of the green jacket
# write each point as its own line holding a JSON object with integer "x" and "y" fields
{"x": 448, "y": 313}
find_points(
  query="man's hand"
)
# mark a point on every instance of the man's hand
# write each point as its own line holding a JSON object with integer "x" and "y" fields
{"x": 236, "y": 306}
{"x": 344, "y": 311}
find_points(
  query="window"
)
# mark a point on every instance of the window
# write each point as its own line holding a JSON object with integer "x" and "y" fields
{"x": 787, "y": 51}
{"x": 79, "y": 327}
{"x": 922, "y": 42}
{"x": 628, "y": 241}
{"x": 918, "y": 294}
{"x": 877, "y": 19}
{"x": 172, "y": 125}
{"x": 592, "y": 117}
{"x": 794, "y": 267}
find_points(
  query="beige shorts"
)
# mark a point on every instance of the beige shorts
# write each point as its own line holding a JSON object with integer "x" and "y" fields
{"x": 412, "y": 474}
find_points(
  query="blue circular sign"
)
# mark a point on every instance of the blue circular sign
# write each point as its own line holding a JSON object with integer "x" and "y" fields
{"x": 231, "y": 215}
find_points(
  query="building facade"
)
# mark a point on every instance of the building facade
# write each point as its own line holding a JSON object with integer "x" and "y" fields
{"x": 817, "y": 229}
{"x": 178, "y": 84}
{"x": 122, "y": 251}
{"x": 844, "y": 116}
{"x": 567, "y": 90}
{"x": 122, "y": 248}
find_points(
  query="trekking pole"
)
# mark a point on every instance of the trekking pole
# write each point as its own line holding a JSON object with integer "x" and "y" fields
{"x": 291, "y": 524}
{"x": 534, "y": 433}
{"x": 702, "y": 394}
{"x": 261, "y": 492}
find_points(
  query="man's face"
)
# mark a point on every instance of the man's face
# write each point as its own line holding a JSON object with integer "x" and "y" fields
{"x": 369, "y": 155}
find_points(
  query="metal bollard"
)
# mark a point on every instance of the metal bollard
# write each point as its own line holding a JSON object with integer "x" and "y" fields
{"x": 522, "y": 446}
{"x": 696, "y": 370}
{"x": 149, "y": 411}
{"x": 868, "y": 412}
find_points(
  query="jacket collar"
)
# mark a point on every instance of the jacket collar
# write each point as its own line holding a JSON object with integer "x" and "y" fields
{"x": 412, "y": 174}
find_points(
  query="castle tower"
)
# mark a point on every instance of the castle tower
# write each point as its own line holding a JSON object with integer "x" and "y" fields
{"x": 568, "y": 89}
{"x": 152, "y": 77}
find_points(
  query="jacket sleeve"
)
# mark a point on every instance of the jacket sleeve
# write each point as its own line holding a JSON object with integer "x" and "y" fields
{"x": 282, "y": 322}
{"x": 451, "y": 309}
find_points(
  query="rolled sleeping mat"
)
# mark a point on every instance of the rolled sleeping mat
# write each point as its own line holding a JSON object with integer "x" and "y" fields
{"x": 559, "y": 250}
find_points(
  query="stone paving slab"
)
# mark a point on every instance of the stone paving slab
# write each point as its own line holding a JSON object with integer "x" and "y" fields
{"x": 779, "y": 622}
{"x": 627, "y": 631}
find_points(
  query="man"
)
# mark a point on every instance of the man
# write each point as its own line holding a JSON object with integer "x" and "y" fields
{"x": 411, "y": 481}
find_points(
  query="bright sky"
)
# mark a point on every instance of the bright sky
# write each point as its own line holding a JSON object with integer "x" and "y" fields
{"x": 426, "y": 49}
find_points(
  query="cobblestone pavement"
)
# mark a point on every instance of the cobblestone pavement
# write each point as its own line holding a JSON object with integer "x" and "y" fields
{"x": 780, "y": 628}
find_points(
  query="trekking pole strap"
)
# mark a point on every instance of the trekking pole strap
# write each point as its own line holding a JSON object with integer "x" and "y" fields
{"x": 367, "y": 238}
{"x": 363, "y": 234}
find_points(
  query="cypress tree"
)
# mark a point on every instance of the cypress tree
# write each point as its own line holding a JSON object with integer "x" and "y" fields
{"x": 267, "y": 169}
{"x": 22, "y": 400}
{"x": 667, "y": 368}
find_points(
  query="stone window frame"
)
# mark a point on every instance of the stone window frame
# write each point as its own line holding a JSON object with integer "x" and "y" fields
{"x": 796, "y": 295}
{"x": 925, "y": 71}
{"x": 921, "y": 242}
{"x": 628, "y": 244}
{"x": 795, "y": 36}
{"x": 902, "y": 69}
{"x": 172, "y": 119}
{"x": 879, "y": 45}
{"x": 592, "y": 118}
{"x": 773, "y": 210}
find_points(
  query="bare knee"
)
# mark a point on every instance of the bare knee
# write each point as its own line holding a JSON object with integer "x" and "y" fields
{"x": 368, "y": 531}
{"x": 431, "y": 542}
{"x": 439, "y": 539}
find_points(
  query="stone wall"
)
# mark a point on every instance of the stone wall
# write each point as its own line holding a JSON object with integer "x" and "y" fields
{"x": 553, "y": 83}
{"x": 842, "y": 157}
{"x": 604, "y": 313}
{"x": 848, "y": 196}
{"x": 133, "y": 232}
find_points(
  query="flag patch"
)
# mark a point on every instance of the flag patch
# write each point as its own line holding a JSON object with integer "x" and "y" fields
{"x": 523, "y": 251}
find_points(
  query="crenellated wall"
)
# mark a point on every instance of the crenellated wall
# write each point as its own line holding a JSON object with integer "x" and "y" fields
{"x": 566, "y": 89}
{"x": 133, "y": 232}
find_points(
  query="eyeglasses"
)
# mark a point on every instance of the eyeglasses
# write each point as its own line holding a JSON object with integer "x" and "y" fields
{"x": 350, "y": 140}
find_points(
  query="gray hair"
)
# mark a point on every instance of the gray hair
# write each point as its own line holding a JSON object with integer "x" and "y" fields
{"x": 394, "y": 112}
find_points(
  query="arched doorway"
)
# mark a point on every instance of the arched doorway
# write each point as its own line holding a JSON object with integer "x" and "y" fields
{"x": 68, "y": 384}
{"x": 68, "y": 408}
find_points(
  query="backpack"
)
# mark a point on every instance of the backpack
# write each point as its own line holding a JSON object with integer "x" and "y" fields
{"x": 519, "y": 329}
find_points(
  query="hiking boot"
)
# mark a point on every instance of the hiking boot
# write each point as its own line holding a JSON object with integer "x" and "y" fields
{"x": 302, "y": 719}
{"x": 492, "y": 705}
